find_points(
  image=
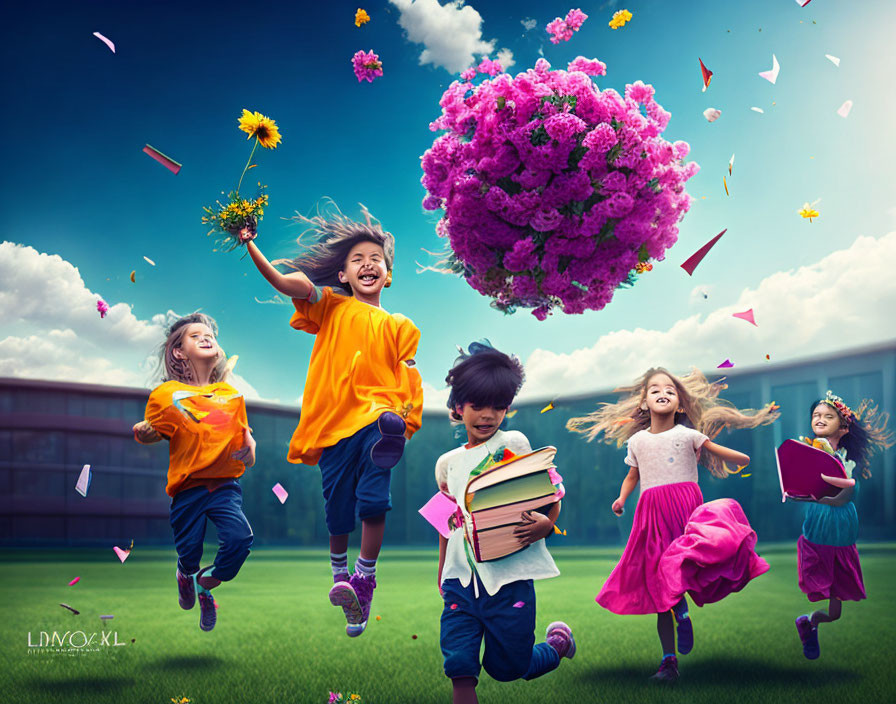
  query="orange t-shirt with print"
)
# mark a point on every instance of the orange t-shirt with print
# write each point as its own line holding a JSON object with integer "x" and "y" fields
{"x": 358, "y": 369}
{"x": 204, "y": 426}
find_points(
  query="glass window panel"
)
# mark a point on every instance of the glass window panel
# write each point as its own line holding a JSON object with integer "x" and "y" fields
{"x": 38, "y": 446}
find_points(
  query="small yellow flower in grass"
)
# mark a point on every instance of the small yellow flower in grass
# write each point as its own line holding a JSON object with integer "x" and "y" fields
{"x": 361, "y": 17}
{"x": 620, "y": 18}
{"x": 264, "y": 128}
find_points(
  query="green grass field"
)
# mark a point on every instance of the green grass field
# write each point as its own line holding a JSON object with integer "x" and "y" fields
{"x": 279, "y": 640}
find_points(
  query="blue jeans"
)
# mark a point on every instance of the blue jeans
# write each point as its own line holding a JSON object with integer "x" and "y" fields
{"x": 510, "y": 650}
{"x": 224, "y": 508}
{"x": 352, "y": 482}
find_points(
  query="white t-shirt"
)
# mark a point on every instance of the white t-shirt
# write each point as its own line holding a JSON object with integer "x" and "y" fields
{"x": 452, "y": 473}
{"x": 665, "y": 458}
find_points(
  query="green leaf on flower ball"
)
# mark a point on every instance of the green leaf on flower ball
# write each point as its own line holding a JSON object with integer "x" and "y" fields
{"x": 581, "y": 287}
{"x": 575, "y": 156}
{"x": 539, "y": 136}
{"x": 614, "y": 153}
{"x": 501, "y": 101}
{"x": 643, "y": 256}
{"x": 654, "y": 185}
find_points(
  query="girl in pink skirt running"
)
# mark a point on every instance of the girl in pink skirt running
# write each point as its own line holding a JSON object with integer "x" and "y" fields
{"x": 677, "y": 544}
{"x": 828, "y": 560}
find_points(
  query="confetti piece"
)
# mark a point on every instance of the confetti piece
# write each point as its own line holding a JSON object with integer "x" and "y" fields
{"x": 744, "y": 476}
{"x": 102, "y": 308}
{"x": 82, "y": 486}
{"x": 759, "y": 110}
{"x": 379, "y": 618}
{"x": 697, "y": 257}
{"x": 727, "y": 364}
{"x": 712, "y": 114}
{"x": 730, "y": 164}
{"x": 771, "y": 76}
{"x": 134, "y": 276}
{"x": 519, "y": 604}
{"x": 453, "y": 607}
{"x": 549, "y": 407}
{"x": 165, "y": 161}
{"x": 725, "y": 183}
{"x": 280, "y": 492}
{"x": 833, "y": 59}
{"x": 149, "y": 261}
{"x": 843, "y": 110}
{"x": 746, "y": 315}
{"x": 768, "y": 358}
{"x": 105, "y": 40}
{"x": 74, "y": 581}
{"x": 122, "y": 554}
{"x": 707, "y": 74}
{"x": 74, "y": 611}
{"x": 511, "y": 414}
{"x": 733, "y": 471}
{"x": 106, "y": 617}
{"x": 414, "y": 636}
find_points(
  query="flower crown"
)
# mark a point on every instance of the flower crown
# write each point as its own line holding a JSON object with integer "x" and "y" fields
{"x": 838, "y": 404}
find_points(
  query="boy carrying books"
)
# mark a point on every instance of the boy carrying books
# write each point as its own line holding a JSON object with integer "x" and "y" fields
{"x": 494, "y": 599}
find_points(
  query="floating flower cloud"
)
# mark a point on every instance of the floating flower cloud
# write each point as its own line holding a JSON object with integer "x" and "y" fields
{"x": 620, "y": 18}
{"x": 553, "y": 191}
{"x": 561, "y": 30}
{"x": 367, "y": 66}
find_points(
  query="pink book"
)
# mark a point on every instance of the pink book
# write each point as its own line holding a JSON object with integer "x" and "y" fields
{"x": 800, "y": 467}
{"x": 437, "y": 511}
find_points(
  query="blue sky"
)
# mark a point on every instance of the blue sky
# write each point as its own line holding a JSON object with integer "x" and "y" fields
{"x": 77, "y": 185}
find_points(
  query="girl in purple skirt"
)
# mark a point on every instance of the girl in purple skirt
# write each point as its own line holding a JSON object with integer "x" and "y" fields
{"x": 828, "y": 560}
{"x": 677, "y": 544}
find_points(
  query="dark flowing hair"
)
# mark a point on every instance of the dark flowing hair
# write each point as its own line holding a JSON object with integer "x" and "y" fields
{"x": 866, "y": 433}
{"x": 698, "y": 402}
{"x": 174, "y": 369}
{"x": 483, "y": 376}
{"x": 334, "y": 236}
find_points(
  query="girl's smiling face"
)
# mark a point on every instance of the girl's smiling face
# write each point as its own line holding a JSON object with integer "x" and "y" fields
{"x": 826, "y": 422}
{"x": 481, "y": 422}
{"x": 661, "y": 395}
{"x": 197, "y": 344}
{"x": 365, "y": 269}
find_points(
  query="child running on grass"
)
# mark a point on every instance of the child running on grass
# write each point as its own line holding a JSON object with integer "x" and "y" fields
{"x": 362, "y": 397}
{"x": 210, "y": 445}
{"x": 496, "y": 599}
{"x": 828, "y": 560}
{"x": 677, "y": 544}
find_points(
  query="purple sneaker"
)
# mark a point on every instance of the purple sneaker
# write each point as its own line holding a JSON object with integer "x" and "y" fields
{"x": 808, "y": 636}
{"x": 363, "y": 587}
{"x": 668, "y": 672}
{"x": 341, "y": 577}
{"x": 685, "y": 635}
{"x": 343, "y": 594}
{"x": 186, "y": 591}
{"x": 386, "y": 452}
{"x": 208, "y": 610}
{"x": 559, "y": 637}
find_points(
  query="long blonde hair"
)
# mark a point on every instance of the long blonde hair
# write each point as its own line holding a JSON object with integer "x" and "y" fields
{"x": 698, "y": 400}
{"x": 181, "y": 370}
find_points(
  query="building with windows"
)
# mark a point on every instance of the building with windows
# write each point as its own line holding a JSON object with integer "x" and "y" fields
{"x": 49, "y": 430}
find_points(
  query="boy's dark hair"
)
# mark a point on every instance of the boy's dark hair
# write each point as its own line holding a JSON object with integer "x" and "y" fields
{"x": 484, "y": 377}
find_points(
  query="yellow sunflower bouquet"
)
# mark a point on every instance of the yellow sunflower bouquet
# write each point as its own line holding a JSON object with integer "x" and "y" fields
{"x": 236, "y": 221}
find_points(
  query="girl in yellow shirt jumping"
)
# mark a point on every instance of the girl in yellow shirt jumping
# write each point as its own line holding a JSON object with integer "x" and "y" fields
{"x": 362, "y": 397}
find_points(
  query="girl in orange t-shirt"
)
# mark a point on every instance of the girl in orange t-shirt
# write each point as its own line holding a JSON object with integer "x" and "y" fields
{"x": 362, "y": 397}
{"x": 210, "y": 443}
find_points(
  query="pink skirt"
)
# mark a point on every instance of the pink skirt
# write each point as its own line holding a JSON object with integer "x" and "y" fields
{"x": 680, "y": 545}
{"x": 829, "y": 571}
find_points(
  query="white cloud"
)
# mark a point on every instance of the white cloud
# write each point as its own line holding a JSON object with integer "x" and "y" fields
{"x": 435, "y": 399}
{"x": 701, "y": 295}
{"x": 844, "y": 300}
{"x": 505, "y": 56}
{"x": 55, "y": 332}
{"x": 529, "y": 24}
{"x": 451, "y": 34}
